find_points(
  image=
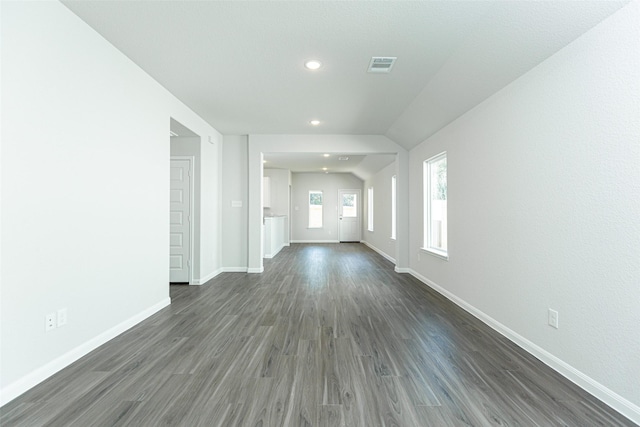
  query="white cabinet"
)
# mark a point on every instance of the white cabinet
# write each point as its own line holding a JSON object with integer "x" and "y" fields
{"x": 266, "y": 192}
{"x": 273, "y": 235}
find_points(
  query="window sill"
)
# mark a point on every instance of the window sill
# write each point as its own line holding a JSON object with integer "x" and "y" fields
{"x": 436, "y": 253}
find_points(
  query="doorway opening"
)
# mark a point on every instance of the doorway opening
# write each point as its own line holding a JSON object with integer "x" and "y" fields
{"x": 184, "y": 151}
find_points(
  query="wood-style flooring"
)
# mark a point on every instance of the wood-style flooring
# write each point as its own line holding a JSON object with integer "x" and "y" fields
{"x": 329, "y": 335}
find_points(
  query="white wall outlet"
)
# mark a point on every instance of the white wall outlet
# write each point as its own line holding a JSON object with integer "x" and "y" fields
{"x": 553, "y": 318}
{"x": 62, "y": 317}
{"x": 50, "y": 322}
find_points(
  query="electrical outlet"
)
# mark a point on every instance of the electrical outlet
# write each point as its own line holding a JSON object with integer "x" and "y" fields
{"x": 50, "y": 322}
{"x": 553, "y": 318}
{"x": 62, "y": 317}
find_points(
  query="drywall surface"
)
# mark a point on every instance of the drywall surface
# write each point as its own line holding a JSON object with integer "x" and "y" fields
{"x": 234, "y": 203}
{"x": 380, "y": 238}
{"x": 544, "y": 201}
{"x": 210, "y": 210}
{"x": 85, "y": 190}
{"x": 329, "y": 184}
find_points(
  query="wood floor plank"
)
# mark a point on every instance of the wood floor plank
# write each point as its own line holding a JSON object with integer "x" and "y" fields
{"x": 328, "y": 335}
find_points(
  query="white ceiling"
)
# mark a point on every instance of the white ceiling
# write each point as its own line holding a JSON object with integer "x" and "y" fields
{"x": 360, "y": 165}
{"x": 239, "y": 64}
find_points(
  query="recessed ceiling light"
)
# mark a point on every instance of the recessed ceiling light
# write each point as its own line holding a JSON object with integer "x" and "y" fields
{"x": 312, "y": 64}
{"x": 314, "y": 122}
{"x": 324, "y": 169}
{"x": 326, "y": 155}
{"x": 264, "y": 161}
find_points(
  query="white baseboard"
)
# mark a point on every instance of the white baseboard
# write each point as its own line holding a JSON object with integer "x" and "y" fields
{"x": 234, "y": 269}
{"x": 252, "y": 270}
{"x": 379, "y": 251}
{"x": 275, "y": 253}
{"x": 591, "y": 386}
{"x": 206, "y": 278}
{"x": 34, "y": 378}
{"x": 315, "y": 241}
{"x": 403, "y": 270}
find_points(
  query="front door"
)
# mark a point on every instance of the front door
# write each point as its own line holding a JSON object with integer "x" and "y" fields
{"x": 180, "y": 221}
{"x": 349, "y": 215}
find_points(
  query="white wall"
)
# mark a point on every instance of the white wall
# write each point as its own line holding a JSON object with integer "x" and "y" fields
{"x": 380, "y": 238}
{"x": 85, "y": 191}
{"x": 544, "y": 201}
{"x": 329, "y": 184}
{"x": 210, "y": 207}
{"x": 234, "y": 219}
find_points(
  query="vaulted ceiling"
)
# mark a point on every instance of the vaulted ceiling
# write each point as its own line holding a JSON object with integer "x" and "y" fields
{"x": 239, "y": 64}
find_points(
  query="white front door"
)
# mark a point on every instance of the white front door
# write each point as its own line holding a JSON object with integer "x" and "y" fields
{"x": 349, "y": 215}
{"x": 180, "y": 221}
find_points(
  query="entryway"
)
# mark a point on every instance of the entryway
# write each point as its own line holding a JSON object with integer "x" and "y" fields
{"x": 349, "y": 223}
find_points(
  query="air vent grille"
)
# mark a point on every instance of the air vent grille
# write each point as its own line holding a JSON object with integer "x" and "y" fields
{"x": 343, "y": 158}
{"x": 381, "y": 64}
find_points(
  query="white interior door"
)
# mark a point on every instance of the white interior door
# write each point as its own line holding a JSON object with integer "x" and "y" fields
{"x": 349, "y": 215}
{"x": 180, "y": 221}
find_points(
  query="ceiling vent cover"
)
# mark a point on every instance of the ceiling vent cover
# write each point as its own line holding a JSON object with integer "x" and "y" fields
{"x": 381, "y": 64}
{"x": 343, "y": 158}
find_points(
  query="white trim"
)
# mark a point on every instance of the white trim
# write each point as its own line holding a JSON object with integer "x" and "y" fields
{"x": 192, "y": 213}
{"x": 205, "y": 279}
{"x": 32, "y": 379}
{"x": 274, "y": 253}
{"x": 591, "y": 386}
{"x": 234, "y": 269}
{"x": 315, "y": 241}
{"x": 379, "y": 251}
{"x": 402, "y": 270}
{"x": 436, "y": 253}
{"x": 253, "y": 270}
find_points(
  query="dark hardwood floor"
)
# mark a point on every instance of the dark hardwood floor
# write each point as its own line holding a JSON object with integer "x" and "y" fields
{"x": 329, "y": 335}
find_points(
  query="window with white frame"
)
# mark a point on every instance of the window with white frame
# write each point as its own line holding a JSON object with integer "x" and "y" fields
{"x": 393, "y": 207}
{"x": 435, "y": 205}
{"x": 370, "y": 209}
{"x": 315, "y": 209}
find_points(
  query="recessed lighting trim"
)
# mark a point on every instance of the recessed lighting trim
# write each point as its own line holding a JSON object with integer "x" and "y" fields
{"x": 324, "y": 169}
{"x": 312, "y": 64}
{"x": 314, "y": 122}
{"x": 326, "y": 155}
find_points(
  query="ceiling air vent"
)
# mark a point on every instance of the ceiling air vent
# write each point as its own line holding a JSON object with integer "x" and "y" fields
{"x": 381, "y": 64}
{"x": 343, "y": 158}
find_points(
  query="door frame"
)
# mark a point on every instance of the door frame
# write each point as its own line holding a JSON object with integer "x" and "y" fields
{"x": 360, "y": 209}
{"x": 192, "y": 173}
